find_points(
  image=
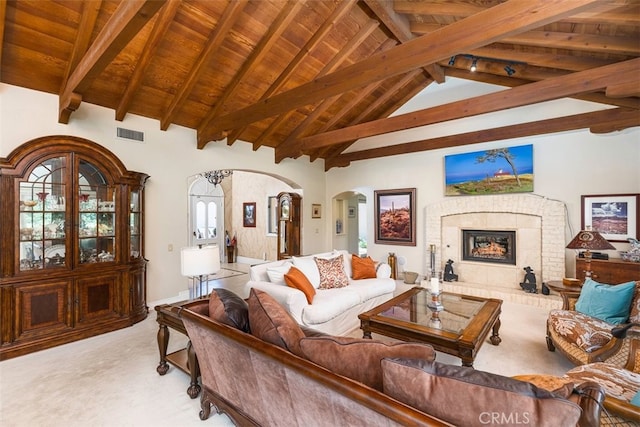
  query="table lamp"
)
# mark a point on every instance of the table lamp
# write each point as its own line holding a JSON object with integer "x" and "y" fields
{"x": 588, "y": 240}
{"x": 197, "y": 262}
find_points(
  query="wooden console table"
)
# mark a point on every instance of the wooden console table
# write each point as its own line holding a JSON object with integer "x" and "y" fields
{"x": 183, "y": 359}
{"x": 611, "y": 271}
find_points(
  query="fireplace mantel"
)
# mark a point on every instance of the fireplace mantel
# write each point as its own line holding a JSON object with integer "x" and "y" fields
{"x": 540, "y": 228}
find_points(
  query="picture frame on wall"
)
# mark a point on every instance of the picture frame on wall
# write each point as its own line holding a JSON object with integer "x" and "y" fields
{"x": 351, "y": 211}
{"x": 395, "y": 213}
{"x": 249, "y": 214}
{"x": 494, "y": 171}
{"x": 316, "y": 210}
{"x": 614, "y": 216}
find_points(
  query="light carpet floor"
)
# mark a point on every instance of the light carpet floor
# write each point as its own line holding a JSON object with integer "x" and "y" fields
{"x": 111, "y": 380}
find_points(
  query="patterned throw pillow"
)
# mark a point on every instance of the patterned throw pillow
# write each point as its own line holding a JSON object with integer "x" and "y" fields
{"x": 332, "y": 273}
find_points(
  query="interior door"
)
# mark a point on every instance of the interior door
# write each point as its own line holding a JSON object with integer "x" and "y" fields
{"x": 206, "y": 225}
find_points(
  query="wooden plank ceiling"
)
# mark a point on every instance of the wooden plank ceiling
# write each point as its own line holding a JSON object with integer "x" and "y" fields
{"x": 312, "y": 77}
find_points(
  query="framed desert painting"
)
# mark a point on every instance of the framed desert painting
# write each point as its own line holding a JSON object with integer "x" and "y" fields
{"x": 395, "y": 212}
{"x": 615, "y": 216}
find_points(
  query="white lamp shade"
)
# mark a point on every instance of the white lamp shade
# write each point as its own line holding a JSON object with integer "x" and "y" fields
{"x": 199, "y": 261}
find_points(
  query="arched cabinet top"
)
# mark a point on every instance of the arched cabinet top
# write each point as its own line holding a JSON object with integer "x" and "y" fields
{"x": 31, "y": 152}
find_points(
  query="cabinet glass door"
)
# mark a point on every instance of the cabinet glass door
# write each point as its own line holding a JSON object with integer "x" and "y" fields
{"x": 135, "y": 230}
{"x": 96, "y": 216}
{"x": 42, "y": 205}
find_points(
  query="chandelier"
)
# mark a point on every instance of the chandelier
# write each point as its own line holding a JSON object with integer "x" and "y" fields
{"x": 216, "y": 177}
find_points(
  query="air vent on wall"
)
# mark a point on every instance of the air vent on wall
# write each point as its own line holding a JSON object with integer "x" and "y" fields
{"x": 133, "y": 135}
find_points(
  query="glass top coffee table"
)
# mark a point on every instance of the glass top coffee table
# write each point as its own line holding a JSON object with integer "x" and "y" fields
{"x": 458, "y": 328}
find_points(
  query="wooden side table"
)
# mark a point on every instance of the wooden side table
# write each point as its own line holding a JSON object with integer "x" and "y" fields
{"x": 560, "y": 287}
{"x": 184, "y": 359}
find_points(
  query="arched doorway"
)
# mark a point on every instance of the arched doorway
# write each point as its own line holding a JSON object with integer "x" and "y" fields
{"x": 206, "y": 214}
{"x": 236, "y": 190}
{"x": 349, "y": 215}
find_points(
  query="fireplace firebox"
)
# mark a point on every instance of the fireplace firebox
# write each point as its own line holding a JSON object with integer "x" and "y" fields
{"x": 489, "y": 246}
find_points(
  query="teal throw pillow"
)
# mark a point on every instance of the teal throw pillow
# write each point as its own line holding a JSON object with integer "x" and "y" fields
{"x": 610, "y": 303}
{"x": 635, "y": 400}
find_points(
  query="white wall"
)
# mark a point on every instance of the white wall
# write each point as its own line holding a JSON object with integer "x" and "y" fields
{"x": 169, "y": 157}
{"x": 566, "y": 165}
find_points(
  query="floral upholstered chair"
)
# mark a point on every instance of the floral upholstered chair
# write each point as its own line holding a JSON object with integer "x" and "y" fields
{"x": 621, "y": 384}
{"x": 586, "y": 338}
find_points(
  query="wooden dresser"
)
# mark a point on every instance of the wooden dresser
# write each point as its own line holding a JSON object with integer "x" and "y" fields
{"x": 611, "y": 271}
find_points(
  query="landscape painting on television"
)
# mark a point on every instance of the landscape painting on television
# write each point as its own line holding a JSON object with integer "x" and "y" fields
{"x": 495, "y": 171}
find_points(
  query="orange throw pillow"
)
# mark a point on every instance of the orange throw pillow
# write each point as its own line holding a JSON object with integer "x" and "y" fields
{"x": 362, "y": 268}
{"x": 296, "y": 279}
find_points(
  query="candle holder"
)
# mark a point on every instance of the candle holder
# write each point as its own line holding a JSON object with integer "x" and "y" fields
{"x": 435, "y": 303}
{"x": 434, "y": 321}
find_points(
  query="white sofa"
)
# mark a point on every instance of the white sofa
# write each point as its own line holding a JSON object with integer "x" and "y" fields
{"x": 333, "y": 311}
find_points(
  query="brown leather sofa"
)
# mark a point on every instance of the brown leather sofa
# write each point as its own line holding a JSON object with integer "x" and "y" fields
{"x": 266, "y": 377}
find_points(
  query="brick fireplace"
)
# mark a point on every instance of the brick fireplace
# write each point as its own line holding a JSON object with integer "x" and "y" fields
{"x": 539, "y": 225}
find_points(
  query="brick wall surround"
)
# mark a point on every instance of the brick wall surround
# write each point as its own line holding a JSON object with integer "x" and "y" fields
{"x": 540, "y": 234}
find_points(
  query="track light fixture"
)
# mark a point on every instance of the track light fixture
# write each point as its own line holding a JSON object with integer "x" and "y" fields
{"x": 510, "y": 71}
{"x": 474, "y": 65}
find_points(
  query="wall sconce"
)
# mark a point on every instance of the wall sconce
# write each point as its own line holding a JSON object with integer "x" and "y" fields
{"x": 474, "y": 65}
{"x": 198, "y": 262}
{"x": 510, "y": 71}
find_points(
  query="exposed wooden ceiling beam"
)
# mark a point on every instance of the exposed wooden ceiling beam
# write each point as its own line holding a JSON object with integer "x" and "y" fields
{"x": 334, "y": 151}
{"x": 356, "y": 99}
{"x": 160, "y": 27}
{"x": 121, "y": 28}
{"x": 548, "y": 60}
{"x": 503, "y": 80}
{"x": 598, "y": 120}
{"x": 399, "y": 26}
{"x": 384, "y": 99}
{"x": 606, "y": 10}
{"x": 560, "y": 40}
{"x": 546, "y": 90}
{"x": 489, "y": 26}
{"x": 288, "y": 148}
{"x": 276, "y": 28}
{"x": 229, "y": 17}
{"x": 342, "y": 8}
{"x": 90, "y": 11}
{"x": 338, "y": 59}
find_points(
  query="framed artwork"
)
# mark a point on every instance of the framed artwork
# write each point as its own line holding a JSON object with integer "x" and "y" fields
{"x": 395, "y": 212}
{"x": 615, "y": 216}
{"x": 352, "y": 212}
{"x": 316, "y": 211}
{"x": 500, "y": 170}
{"x": 249, "y": 214}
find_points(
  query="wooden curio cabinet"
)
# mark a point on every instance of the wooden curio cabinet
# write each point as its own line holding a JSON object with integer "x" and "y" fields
{"x": 288, "y": 225}
{"x": 72, "y": 263}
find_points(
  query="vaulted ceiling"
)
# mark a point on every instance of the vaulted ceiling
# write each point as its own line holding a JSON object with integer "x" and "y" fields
{"x": 312, "y": 77}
